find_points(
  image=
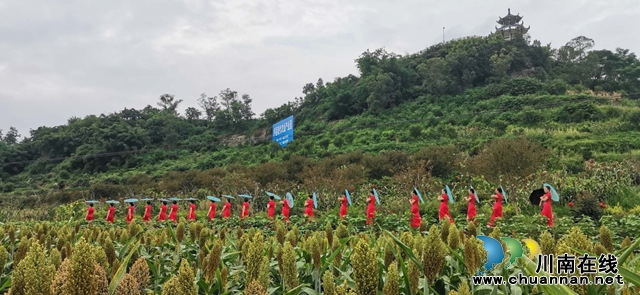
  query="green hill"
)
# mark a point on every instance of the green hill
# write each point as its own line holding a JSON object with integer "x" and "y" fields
{"x": 434, "y": 111}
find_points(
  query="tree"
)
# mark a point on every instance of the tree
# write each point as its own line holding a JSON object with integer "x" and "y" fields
{"x": 192, "y": 114}
{"x": 209, "y": 105}
{"x": 169, "y": 104}
{"x": 246, "y": 112}
{"x": 12, "y": 136}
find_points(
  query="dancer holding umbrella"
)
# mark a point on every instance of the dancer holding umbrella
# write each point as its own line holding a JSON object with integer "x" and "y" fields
{"x": 309, "y": 204}
{"x": 415, "y": 218}
{"x": 287, "y": 204}
{"x": 471, "y": 208}
{"x": 543, "y": 197}
{"x": 163, "y": 210}
{"x": 173, "y": 214}
{"x": 226, "y": 208}
{"x": 497, "y": 206}
{"x": 191, "y": 215}
{"x": 344, "y": 200}
{"x": 90, "y": 210}
{"x": 245, "y": 206}
{"x": 212, "y": 207}
{"x": 371, "y": 208}
{"x": 147, "y": 211}
{"x": 443, "y": 211}
{"x": 111, "y": 212}
{"x": 131, "y": 211}
{"x": 271, "y": 206}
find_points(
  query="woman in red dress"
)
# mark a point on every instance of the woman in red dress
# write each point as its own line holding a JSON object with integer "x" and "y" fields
{"x": 212, "y": 210}
{"x": 471, "y": 208}
{"x": 497, "y": 207}
{"x": 89, "y": 216}
{"x": 163, "y": 212}
{"x": 147, "y": 212}
{"x": 226, "y": 209}
{"x": 130, "y": 213}
{"x": 271, "y": 207}
{"x": 443, "y": 211}
{"x": 415, "y": 219}
{"x": 285, "y": 209}
{"x": 245, "y": 209}
{"x": 192, "y": 211}
{"x": 343, "y": 206}
{"x": 371, "y": 208}
{"x": 309, "y": 204}
{"x": 545, "y": 202}
{"x": 173, "y": 215}
{"x": 110, "y": 213}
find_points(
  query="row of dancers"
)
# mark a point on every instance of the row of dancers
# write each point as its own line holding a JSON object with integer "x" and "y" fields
{"x": 414, "y": 220}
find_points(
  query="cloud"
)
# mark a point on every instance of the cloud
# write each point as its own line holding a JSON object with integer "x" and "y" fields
{"x": 60, "y": 59}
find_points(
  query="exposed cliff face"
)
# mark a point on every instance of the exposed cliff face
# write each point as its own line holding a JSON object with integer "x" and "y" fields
{"x": 257, "y": 136}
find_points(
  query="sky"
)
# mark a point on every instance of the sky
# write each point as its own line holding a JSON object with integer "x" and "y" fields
{"x": 62, "y": 59}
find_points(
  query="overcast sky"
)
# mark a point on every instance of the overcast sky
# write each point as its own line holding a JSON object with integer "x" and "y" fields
{"x": 60, "y": 59}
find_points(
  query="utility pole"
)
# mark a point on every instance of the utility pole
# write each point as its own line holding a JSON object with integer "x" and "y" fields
{"x": 442, "y": 35}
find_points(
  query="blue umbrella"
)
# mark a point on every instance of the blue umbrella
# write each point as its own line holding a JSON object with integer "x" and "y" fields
{"x": 315, "y": 201}
{"x": 449, "y": 194}
{"x": 289, "y": 200}
{"x": 112, "y": 202}
{"x": 419, "y": 194}
{"x": 130, "y": 200}
{"x": 92, "y": 202}
{"x": 504, "y": 194}
{"x": 175, "y": 199}
{"x": 375, "y": 194}
{"x": 147, "y": 199}
{"x": 164, "y": 200}
{"x": 245, "y": 196}
{"x": 191, "y": 199}
{"x": 228, "y": 197}
{"x": 274, "y": 196}
{"x": 212, "y": 198}
{"x": 475, "y": 194}
{"x": 346, "y": 192}
{"x": 554, "y": 195}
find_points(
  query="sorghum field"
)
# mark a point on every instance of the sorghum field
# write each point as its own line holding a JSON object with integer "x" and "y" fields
{"x": 326, "y": 256}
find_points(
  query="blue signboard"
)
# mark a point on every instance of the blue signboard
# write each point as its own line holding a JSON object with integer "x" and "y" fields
{"x": 283, "y": 131}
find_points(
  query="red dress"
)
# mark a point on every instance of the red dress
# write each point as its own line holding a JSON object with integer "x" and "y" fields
{"x": 90, "y": 214}
{"x": 471, "y": 208}
{"x": 130, "y": 214}
{"x": 226, "y": 210}
{"x": 497, "y": 210}
{"x": 245, "y": 208}
{"x": 192, "y": 212}
{"x": 309, "y": 210}
{"x": 546, "y": 209}
{"x": 174, "y": 213}
{"x": 147, "y": 213}
{"x": 271, "y": 208}
{"x": 112, "y": 212}
{"x": 212, "y": 211}
{"x": 371, "y": 209}
{"x": 343, "y": 208}
{"x": 444, "y": 208}
{"x": 285, "y": 210}
{"x": 163, "y": 213}
{"x": 415, "y": 212}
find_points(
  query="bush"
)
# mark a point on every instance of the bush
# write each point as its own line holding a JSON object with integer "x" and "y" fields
{"x": 442, "y": 159}
{"x": 587, "y": 204}
{"x": 579, "y": 112}
{"x": 529, "y": 117}
{"x": 523, "y": 86}
{"x": 557, "y": 87}
{"x": 415, "y": 131}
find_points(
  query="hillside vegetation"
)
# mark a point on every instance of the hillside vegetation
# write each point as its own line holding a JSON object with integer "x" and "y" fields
{"x": 481, "y": 107}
